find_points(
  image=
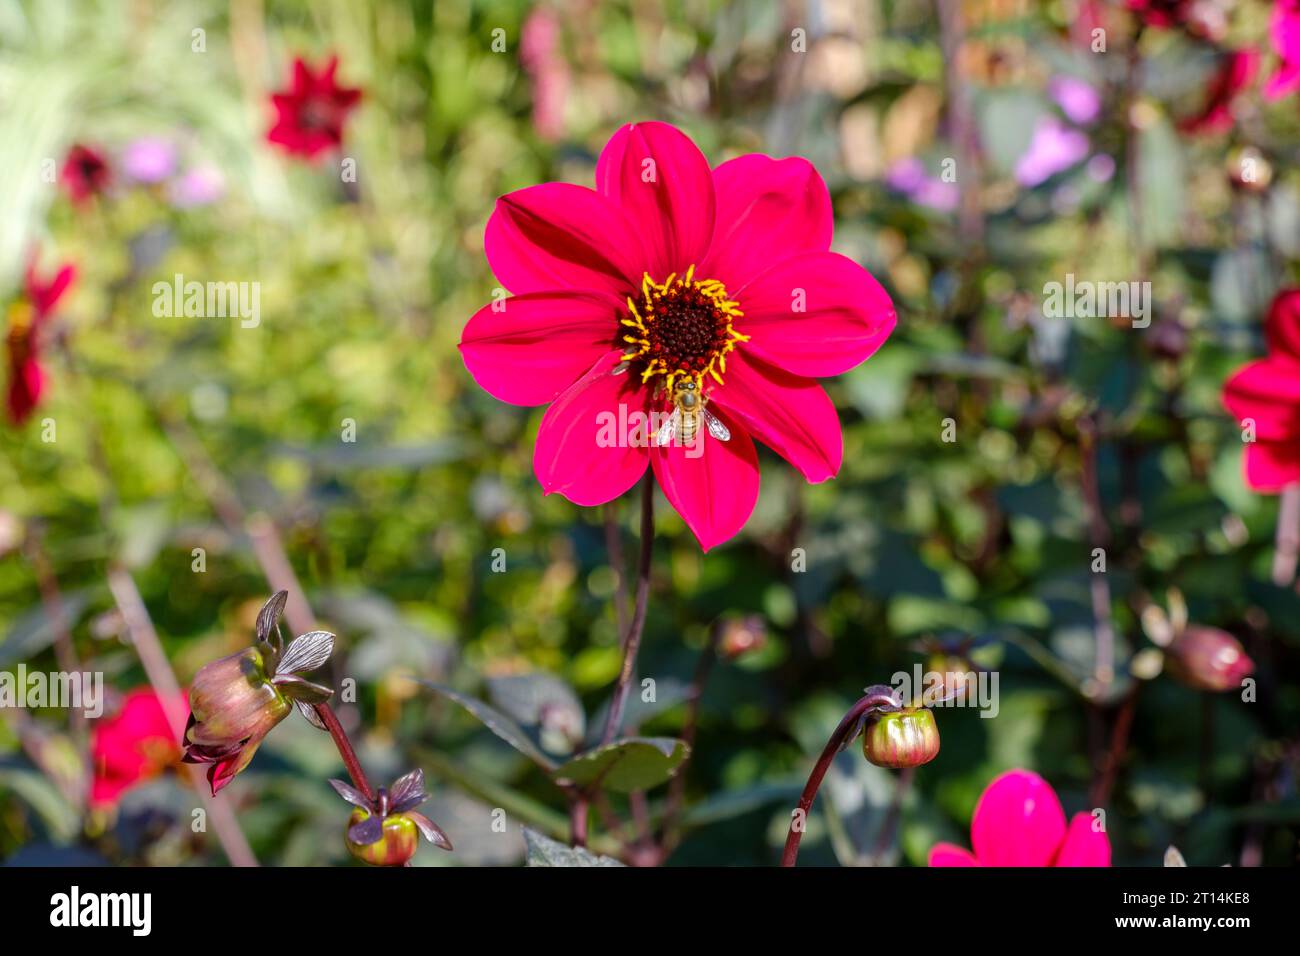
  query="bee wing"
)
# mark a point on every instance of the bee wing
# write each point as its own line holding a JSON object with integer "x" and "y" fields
{"x": 668, "y": 431}
{"x": 718, "y": 430}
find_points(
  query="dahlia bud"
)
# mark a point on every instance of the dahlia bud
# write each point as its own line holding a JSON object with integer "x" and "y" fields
{"x": 1209, "y": 659}
{"x": 237, "y": 700}
{"x": 385, "y": 831}
{"x": 741, "y": 636}
{"x": 902, "y": 738}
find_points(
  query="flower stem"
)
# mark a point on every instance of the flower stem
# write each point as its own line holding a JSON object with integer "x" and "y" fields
{"x": 632, "y": 642}
{"x": 341, "y": 741}
{"x": 1288, "y": 536}
{"x": 578, "y": 820}
{"x": 875, "y": 697}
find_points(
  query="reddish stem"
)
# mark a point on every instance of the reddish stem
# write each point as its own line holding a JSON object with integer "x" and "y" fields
{"x": 344, "y": 745}
{"x": 875, "y": 697}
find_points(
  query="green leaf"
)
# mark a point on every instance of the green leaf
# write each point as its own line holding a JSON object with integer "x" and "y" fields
{"x": 495, "y": 721}
{"x": 544, "y": 701}
{"x": 634, "y": 763}
{"x": 543, "y": 851}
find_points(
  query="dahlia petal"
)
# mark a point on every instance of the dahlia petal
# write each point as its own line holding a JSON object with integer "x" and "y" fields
{"x": 791, "y": 415}
{"x": 1271, "y": 466}
{"x": 663, "y": 184}
{"x": 947, "y": 854}
{"x": 1083, "y": 845}
{"x": 558, "y": 235}
{"x": 712, "y": 484}
{"x": 303, "y": 79}
{"x": 528, "y": 349}
{"x": 844, "y": 315}
{"x": 1266, "y": 392}
{"x": 768, "y": 210}
{"x": 26, "y": 386}
{"x": 1285, "y": 80}
{"x": 582, "y": 451}
{"x": 1284, "y": 29}
{"x": 1282, "y": 329}
{"x": 44, "y": 296}
{"x": 1018, "y": 822}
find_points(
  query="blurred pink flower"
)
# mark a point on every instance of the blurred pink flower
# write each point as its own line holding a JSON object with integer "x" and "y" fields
{"x": 198, "y": 187}
{"x": 1054, "y": 148}
{"x": 132, "y": 746}
{"x": 1018, "y": 821}
{"x": 1284, "y": 29}
{"x": 149, "y": 160}
{"x": 909, "y": 177}
{"x": 1077, "y": 98}
{"x": 1267, "y": 393}
{"x": 671, "y": 273}
{"x": 1235, "y": 73}
{"x": 539, "y": 52}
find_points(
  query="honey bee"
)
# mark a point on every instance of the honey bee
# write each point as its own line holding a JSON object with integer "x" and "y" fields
{"x": 688, "y": 412}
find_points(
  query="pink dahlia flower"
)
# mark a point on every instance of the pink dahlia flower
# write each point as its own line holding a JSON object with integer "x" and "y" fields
{"x": 668, "y": 288}
{"x": 1267, "y": 393}
{"x": 132, "y": 746}
{"x": 1285, "y": 31}
{"x": 1019, "y": 822}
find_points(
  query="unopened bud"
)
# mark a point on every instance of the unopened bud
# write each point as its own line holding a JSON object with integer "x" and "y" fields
{"x": 741, "y": 636}
{"x": 384, "y": 830}
{"x": 899, "y": 739}
{"x": 397, "y": 843}
{"x": 1209, "y": 659}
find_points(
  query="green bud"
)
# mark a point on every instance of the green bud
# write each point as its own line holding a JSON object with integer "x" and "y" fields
{"x": 904, "y": 738}
{"x": 400, "y": 838}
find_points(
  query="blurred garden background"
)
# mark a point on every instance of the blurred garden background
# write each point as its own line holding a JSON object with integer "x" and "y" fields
{"x": 174, "y": 471}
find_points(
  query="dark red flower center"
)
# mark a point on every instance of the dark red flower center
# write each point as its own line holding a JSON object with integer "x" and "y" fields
{"x": 683, "y": 327}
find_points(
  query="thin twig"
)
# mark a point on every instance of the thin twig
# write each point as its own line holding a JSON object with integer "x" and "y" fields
{"x": 668, "y": 831}
{"x": 150, "y": 651}
{"x": 1288, "y": 536}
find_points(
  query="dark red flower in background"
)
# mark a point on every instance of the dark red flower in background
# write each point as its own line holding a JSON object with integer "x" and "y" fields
{"x": 134, "y": 745}
{"x": 1235, "y": 73}
{"x": 311, "y": 113}
{"x": 1161, "y": 13}
{"x": 85, "y": 173}
{"x": 26, "y": 318}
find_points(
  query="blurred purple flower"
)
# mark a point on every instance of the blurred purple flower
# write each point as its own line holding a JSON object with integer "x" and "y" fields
{"x": 1055, "y": 147}
{"x": 909, "y": 177}
{"x": 198, "y": 187}
{"x": 1078, "y": 99}
{"x": 1101, "y": 167}
{"x": 149, "y": 160}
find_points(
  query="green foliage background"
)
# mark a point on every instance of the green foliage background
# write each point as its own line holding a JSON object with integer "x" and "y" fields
{"x": 364, "y": 293}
